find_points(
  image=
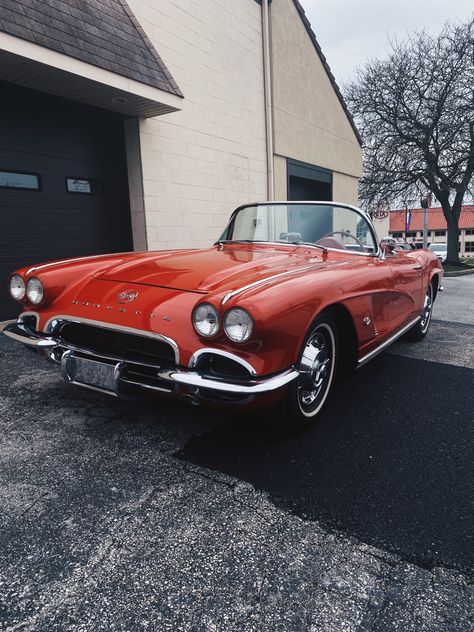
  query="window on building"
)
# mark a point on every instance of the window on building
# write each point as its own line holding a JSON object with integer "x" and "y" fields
{"x": 411, "y": 233}
{"x": 397, "y": 235}
{"x": 440, "y": 233}
{"x": 469, "y": 246}
{"x": 19, "y": 180}
{"x": 469, "y": 231}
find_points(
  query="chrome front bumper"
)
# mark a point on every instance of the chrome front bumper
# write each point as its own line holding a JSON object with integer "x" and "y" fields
{"x": 171, "y": 376}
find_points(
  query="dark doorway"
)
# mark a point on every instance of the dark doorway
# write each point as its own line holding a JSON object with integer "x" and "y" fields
{"x": 303, "y": 189}
{"x": 63, "y": 182}
{"x": 307, "y": 182}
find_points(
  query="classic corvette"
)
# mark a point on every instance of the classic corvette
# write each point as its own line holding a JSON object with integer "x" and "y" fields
{"x": 292, "y": 293}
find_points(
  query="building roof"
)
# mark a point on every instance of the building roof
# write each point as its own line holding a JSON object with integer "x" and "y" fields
{"x": 104, "y": 33}
{"x": 332, "y": 79}
{"x": 436, "y": 219}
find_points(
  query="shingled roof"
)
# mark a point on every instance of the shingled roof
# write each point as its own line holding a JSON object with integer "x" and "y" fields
{"x": 104, "y": 33}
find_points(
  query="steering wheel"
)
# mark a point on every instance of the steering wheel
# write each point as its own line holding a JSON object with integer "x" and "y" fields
{"x": 341, "y": 232}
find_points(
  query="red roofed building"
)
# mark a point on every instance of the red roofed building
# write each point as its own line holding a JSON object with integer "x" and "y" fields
{"x": 437, "y": 227}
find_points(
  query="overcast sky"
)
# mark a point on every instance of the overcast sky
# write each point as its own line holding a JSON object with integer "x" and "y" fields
{"x": 352, "y": 31}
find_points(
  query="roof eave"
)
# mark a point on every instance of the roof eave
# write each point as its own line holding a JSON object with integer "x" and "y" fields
{"x": 40, "y": 68}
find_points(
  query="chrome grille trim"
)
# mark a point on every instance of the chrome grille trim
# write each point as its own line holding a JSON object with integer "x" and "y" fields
{"x": 54, "y": 321}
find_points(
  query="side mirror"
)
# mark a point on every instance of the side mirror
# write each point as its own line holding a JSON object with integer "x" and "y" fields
{"x": 386, "y": 247}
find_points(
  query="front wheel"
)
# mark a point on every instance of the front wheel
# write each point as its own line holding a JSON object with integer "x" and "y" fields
{"x": 419, "y": 331}
{"x": 316, "y": 365}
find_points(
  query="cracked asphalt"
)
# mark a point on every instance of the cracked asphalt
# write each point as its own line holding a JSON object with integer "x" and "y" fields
{"x": 150, "y": 515}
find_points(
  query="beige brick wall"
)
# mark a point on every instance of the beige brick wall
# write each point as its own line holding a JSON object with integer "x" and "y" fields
{"x": 309, "y": 122}
{"x": 345, "y": 188}
{"x": 200, "y": 163}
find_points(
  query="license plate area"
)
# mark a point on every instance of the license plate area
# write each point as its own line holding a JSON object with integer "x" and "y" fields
{"x": 98, "y": 375}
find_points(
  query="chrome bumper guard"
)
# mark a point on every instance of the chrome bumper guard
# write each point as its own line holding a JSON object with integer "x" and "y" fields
{"x": 24, "y": 333}
{"x": 249, "y": 387}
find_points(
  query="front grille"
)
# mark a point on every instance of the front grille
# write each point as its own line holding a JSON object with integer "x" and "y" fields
{"x": 117, "y": 344}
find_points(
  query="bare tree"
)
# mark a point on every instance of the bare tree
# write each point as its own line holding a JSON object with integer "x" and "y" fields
{"x": 415, "y": 111}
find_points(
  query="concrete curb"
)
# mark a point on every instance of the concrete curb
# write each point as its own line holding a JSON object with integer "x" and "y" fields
{"x": 459, "y": 273}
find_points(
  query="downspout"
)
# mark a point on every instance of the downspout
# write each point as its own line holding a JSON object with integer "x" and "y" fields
{"x": 267, "y": 82}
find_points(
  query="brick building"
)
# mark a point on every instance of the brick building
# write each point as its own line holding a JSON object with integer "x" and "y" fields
{"x": 143, "y": 124}
{"x": 437, "y": 227}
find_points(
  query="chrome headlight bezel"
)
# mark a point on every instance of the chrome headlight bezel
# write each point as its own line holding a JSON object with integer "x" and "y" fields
{"x": 20, "y": 286}
{"x": 35, "y": 291}
{"x": 199, "y": 317}
{"x": 240, "y": 314}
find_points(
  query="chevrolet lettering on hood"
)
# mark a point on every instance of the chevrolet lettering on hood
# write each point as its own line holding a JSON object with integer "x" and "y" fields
{"x": 291, "y": 294}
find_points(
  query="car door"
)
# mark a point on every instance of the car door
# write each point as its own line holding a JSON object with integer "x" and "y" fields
{"x": 407, "y": 274}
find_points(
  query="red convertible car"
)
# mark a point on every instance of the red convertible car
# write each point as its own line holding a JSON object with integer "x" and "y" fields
{"x": 290, "y": 293}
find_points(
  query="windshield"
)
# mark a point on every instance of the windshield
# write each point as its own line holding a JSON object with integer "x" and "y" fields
{"x": 438, "y": 247}
{"x": 326, "y": 225}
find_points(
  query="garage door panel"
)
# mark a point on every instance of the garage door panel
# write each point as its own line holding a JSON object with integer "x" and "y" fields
{"x": 58, "y": 139}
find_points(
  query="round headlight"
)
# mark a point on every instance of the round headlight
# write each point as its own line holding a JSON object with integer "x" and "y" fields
{"x": 238, "y": 324}
{"x": 34, "y": 291}
{"x": 206, "y": 320}
{"x": 17, "y": 287}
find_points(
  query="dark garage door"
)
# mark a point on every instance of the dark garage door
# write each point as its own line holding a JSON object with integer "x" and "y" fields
{"x": 63, "y": 182}
{"x": 307, "y": 182}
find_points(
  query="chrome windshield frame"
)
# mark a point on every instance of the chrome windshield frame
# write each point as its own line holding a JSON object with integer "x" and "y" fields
{"x": 362, "y": 214}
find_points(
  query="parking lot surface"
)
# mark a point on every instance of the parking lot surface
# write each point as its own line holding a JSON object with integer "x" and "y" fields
{"x": 149, "y": 515}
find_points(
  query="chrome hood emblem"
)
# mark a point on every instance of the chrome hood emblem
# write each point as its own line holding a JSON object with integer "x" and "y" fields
{"x": 127, "y": 296}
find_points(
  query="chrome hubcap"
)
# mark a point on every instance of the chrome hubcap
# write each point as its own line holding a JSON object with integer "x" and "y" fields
{"x": 426, "y": 311}
{"x": 315, "y": 369}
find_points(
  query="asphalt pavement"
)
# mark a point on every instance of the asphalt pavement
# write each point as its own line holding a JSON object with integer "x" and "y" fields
{"x": 151, "y": 515}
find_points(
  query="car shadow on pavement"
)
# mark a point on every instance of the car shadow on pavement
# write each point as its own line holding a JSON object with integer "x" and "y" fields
{"x": 391, "y": 461}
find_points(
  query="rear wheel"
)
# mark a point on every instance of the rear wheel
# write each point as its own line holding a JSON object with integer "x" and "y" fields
{"x": 419, "y": 331}
{"x": 317, "y": 364}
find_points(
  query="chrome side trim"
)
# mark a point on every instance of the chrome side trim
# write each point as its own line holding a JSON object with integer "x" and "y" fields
{"x": 140, "y": 332}
{"x": 253, "y": 387}
{"x": 387, "y": 343}
{"x": 269, "y": 279}
{"x": 225, "y": 354}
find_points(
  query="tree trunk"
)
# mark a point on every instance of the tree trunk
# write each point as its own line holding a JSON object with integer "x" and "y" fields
{"x": 452, "y": 219}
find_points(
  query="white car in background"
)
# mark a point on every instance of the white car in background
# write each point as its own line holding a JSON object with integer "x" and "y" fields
{"x": 440, "y": 250}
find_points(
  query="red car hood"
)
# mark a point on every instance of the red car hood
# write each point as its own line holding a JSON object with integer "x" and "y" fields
{"x": 209, "y": 269}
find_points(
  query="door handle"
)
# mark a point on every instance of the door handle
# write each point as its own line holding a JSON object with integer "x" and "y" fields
{"x": 418, "y": 267}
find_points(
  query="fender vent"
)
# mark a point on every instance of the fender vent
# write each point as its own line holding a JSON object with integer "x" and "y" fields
{"x": 217, "y": 365}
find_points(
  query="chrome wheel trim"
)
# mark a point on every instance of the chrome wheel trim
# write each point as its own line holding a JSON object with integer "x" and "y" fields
{"x": 316, "y": 370}
{"x": 425, "y": 317}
